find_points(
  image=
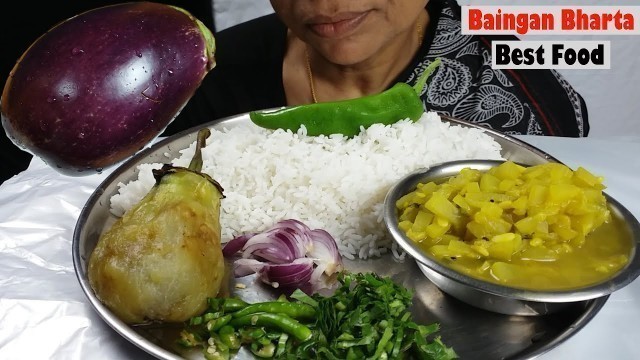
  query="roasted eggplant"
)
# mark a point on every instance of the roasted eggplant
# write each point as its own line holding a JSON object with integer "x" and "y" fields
{"x": 162, "y": 259}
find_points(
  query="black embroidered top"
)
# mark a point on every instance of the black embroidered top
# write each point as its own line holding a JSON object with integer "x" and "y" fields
{"x": 248, "y": 77}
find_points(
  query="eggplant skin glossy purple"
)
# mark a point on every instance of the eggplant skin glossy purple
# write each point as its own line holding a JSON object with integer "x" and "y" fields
{"x": 100, "y": 86}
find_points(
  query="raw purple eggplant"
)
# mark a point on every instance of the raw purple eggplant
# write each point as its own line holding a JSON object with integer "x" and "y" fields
{"x": 99, "y": 86}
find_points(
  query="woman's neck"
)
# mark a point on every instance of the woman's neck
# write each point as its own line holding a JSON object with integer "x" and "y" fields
{"x": 308, "y": 75}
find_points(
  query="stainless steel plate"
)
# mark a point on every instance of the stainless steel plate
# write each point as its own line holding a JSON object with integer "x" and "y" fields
{"x": 473, "y": 333}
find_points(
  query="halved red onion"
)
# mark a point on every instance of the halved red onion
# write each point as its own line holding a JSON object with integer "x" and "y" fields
{"x": 289, "y": 254}
{"x": 235, "y": 245}
{"x": 277, "y": 275}
{"x": 267, "y": 247}
{"x": 296, "y": 233}
{"x": 325, "y": 251}
{"x": 244, "y": 267}
{"x": 288, "y": 275}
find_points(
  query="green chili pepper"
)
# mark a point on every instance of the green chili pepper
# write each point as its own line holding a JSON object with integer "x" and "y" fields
{"x": 216, "y": 324}
{"x": 265, "y": 340}
{"x": 280, "y": 321}
{"x": 294, "y": 310}
{"x": 249, "y": 335}
{"x": 227, "y": 305}
{"x": 209, "y": 316}
{"x": 216, "y": 349}
{"x": 233, "y": 304}
{"x": 263, "y": 351}
{"x": 189, "y": 340}
{"x": 196, "y": 320}
{"x": 228, "y": 336}
{"x": 346, "y": 117}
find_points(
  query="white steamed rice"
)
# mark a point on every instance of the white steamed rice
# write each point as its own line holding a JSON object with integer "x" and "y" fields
{"x": 333, "y": 183}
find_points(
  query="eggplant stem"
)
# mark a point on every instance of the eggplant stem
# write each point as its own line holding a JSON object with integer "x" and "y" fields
{"x": 196, "y": 161}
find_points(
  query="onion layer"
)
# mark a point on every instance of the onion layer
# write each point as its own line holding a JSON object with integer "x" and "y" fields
{"x": 289, "y": 255}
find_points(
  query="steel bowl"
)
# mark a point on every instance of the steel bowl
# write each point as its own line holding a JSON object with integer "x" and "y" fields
{"x": 491, "y": 296}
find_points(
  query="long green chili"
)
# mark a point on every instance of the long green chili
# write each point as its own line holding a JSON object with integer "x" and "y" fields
{"x": 347, "y": 117}
{"x": 294, "y": 310}
{"x": 283, "y": 322}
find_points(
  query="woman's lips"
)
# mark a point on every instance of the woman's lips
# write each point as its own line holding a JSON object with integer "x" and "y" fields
{"x": 337, "y": 26}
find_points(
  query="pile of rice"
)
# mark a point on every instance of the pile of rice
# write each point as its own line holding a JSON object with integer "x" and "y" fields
{"x": 333, "y": 183}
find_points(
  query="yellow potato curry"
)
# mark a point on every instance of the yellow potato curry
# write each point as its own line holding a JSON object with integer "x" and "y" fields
{"x": 543, "y": 227}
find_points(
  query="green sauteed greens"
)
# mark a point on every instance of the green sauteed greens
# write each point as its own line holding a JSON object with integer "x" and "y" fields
{"x": 367, "y": 317}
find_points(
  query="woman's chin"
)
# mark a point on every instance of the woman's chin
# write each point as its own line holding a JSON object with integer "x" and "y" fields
{"x": 347, "y": 54}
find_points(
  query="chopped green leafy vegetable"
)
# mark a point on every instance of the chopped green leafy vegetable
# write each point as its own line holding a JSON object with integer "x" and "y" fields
{"x": 367, "y": 317}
